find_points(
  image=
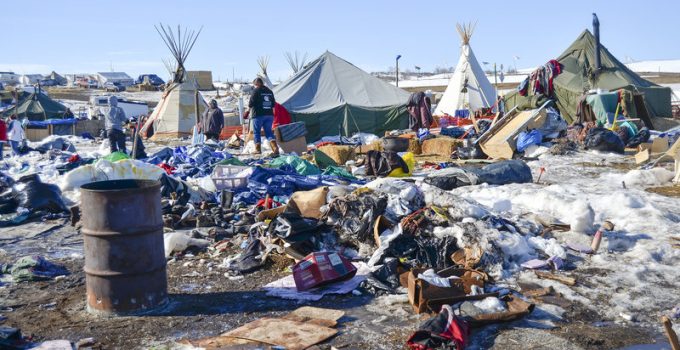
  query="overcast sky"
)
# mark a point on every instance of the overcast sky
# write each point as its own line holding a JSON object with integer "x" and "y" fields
{"x": 90, "y": 36}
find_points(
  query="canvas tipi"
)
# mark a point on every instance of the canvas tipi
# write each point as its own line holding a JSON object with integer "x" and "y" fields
{"x": 175, "y": 115}
{"x": 468, "y": 87}
{"x": 263, "y": 62}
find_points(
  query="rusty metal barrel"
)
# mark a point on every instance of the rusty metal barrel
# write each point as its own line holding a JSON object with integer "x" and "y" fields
{"x": 125, "y": 269}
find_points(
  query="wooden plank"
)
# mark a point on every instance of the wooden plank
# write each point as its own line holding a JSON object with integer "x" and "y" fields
{"x": 499, "y": 141}
{"x": 292, "y": 335}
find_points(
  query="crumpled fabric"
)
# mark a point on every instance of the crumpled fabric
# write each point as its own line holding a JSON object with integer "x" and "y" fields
{"x": 382, "y": 163}
{"x": 33, "y": 268}
{"x": 444, "y": 331}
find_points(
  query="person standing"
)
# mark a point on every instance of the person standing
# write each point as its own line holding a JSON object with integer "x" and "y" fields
{"x": 212, "y": 122}
{"x": 114, "y": 118}
{"x": 3, "y": 136}
{"x": 261, "y": 106}
{"x": 15, "y": 134}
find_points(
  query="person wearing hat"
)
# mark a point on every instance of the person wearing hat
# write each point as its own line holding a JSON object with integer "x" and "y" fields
{"x": 212, "y": 122}
{"x": 261, "y": 106}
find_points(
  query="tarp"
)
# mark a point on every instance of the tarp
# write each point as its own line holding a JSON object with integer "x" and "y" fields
{"x": 45, "y": 123}
{"x": 37, "y": 107}
{"x": 578, "y": 67}
{"x": 332, "y": 94}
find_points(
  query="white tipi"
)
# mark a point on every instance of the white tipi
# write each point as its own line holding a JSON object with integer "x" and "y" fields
{"x": 263, "y": 62}
{"x": 175, "y": 114}
{"x": 468, "y": 88}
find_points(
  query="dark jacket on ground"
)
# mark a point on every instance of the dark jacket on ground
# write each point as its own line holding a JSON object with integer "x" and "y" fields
{"x": 261, "y": 102}
{"x": 382, "y": 163}
{"x": 212, "y": 121}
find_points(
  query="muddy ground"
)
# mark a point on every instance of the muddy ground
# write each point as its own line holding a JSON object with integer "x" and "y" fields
{"x": 205, "y": 303}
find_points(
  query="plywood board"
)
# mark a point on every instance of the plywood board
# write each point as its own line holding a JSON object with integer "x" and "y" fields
{"x": 500, "y": 141}
{"x": 293, "y": 335}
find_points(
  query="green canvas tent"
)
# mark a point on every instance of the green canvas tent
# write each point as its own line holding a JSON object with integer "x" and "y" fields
{"x": 577, "y": 77}
{"x": 37, "y": 107}
{"x": 331, "y": 94}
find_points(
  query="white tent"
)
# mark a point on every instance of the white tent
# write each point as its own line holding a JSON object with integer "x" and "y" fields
{"x": 468, "y": 87}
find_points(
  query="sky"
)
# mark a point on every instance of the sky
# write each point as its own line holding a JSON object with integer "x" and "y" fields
{"x": 78, "y": 36}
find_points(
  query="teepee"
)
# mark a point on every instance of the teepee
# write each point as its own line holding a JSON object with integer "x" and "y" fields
{"x": 175, "y": 114}
{"x": 295, "y": 61}
{"x": 468, "y": 87}
{"x": 263, "y": 62}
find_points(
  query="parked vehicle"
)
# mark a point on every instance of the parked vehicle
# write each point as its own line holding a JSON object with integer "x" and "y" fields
{"x": 113, "y": 87}
{"x": 154, "y": 79}
{"x": 132, "y": 109}
{"x": 48, "y": 82}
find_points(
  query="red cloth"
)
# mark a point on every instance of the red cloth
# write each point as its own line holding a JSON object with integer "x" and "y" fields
{"x": 281, "y": 115}
{"x": 3, "y": 130}
{"x": 169, "y": 169}
{"x": 74, "y": 158}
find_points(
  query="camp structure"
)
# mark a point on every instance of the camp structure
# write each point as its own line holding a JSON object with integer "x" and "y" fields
{"x": 175, "y": 115}
{"x": 202, "y": 78}
{"x": 580, "y": 73}
{"x": 468, "y": 88}
{"x": 263, "y": 62}
{"x": 295, "y": 61}
{"x": 331, "y": 95}
{"x": 60, "y": 80}
{"x": 36, "y": 107}
{"x": 118, "y": 78}
{"x": 30, "y": 79}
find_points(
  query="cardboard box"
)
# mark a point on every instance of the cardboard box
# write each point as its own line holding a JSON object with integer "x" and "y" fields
{"x": 318, "y": 269}
{"x": 660, "y": 145}
{"x": 298, "y": 145}
{"x": 421, "y": 292}
{"x": 642, "y": 156}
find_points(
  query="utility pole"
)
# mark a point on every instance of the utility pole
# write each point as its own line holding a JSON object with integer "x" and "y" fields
{"x": 398, "y": 57}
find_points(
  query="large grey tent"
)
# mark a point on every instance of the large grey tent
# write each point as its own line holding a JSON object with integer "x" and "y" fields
{"x": 331, "y": 93}
{"x": 578, "y": 76}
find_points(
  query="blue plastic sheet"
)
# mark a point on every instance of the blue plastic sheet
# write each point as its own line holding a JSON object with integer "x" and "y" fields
{"x": 526, "y": 139}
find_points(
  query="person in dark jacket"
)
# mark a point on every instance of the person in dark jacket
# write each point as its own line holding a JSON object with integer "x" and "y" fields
{"x": 419, "y": 111}
{"x": 261, "y": 106}
{"x": 212, "y": 122}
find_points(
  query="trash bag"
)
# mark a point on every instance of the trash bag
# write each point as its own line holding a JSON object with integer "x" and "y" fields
{"x": 453, "y": 131}
{"x": 603, "y": 140}
{"x": 641, "y": 137}
{"x": 450, "y": 178}
{"x": 35, "y": 195}
{"x": 353, "y": 216}
{"x": 503, "y": 173}
{"x": 526, "y": 139}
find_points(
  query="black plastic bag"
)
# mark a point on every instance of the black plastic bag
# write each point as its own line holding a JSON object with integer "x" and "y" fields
{"x": 35, "y": 195}
{"x": 641, "y": 137}
{"x": 603, "y": 140}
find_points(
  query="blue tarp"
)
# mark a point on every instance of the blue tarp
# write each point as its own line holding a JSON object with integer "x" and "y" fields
{"x": 45, "y": 123}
